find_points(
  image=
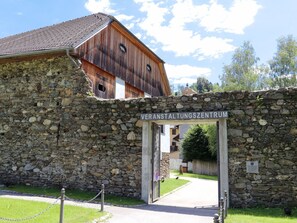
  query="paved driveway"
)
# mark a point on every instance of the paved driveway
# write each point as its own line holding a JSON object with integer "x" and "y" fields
{"x": 196, "y": 202}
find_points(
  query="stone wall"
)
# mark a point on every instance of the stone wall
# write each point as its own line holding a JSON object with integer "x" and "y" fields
{"x": 52, "y": 133}
{"x": 164, "y": 164}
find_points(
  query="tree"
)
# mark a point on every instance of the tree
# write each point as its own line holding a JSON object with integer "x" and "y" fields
{"x": 195, "y": 145}
{"x": 243, "y": 73}
{"x": 211, "y": 133}
{"x": 202, "y": 85}
{"x": 283, "y": 66}
{"x": 177, "y": 89}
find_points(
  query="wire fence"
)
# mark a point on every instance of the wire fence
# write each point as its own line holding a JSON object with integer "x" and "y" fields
{"x": 62, "y": 198}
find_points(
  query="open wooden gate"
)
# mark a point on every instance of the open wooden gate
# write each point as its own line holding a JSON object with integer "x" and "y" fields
{"x": 156, "y": 153}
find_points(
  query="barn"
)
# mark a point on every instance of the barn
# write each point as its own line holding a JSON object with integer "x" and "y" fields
{"x": 52, "y": 83}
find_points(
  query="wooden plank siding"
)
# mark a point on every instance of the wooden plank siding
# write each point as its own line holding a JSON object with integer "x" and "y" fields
{"x": 132, "y": 92}
{"x": 103, "y": 84}
{"x": 104, "y": 51}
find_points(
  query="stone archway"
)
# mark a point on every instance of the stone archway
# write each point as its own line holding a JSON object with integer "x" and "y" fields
{"x": 190, "y": 118}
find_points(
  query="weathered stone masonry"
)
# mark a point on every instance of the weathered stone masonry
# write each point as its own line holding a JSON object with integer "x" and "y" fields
{"x": 165, "y": 165}
{"x": 53, "y": 133}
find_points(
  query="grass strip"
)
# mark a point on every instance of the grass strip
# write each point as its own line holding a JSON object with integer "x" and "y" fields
{"x": 74, "y": 194}
{"x": 16, "y": 209}
{"x": 260, "y": 215}
{"x": 194, "y": 175}
{"x": 171, "y": 184}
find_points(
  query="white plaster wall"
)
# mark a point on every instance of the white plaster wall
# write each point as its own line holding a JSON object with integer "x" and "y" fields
{"x": 146, "y": 95}
{"x": 182, "y": 130}
{"x": 165, "y": 139}
{"x": 175, "y": 163}
{"x": 120, "y": 88}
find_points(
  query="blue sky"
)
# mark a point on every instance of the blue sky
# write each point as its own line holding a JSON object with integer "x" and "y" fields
{"x": 194, "y": 37}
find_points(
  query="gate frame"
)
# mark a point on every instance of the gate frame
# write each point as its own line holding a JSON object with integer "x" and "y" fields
{"x": 146, "y": 173}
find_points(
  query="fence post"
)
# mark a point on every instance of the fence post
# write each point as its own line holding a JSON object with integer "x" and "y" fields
{"x": 62, "y": 205}
{"x": 102, "y": 197}
{"x": 226, "y": 203}
{"x": 222, "y": 210}
{"x": 216, "y": 218}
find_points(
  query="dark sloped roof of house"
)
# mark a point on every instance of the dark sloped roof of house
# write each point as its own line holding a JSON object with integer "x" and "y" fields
{"x": 188, "y": 91}
{"x": 65, "y": 35}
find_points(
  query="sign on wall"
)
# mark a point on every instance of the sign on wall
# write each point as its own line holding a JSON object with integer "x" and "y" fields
{"x": 185, "y": 115}
{"x": 252, "y": 166}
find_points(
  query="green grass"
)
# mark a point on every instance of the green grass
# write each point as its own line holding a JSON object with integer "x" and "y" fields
{"x": 16, "y": 208}
{"x": 260, "y": 215}
{"x": 194, "y": 175}
{"x": 171, "y": 184}
{"x": 74, "y": 194}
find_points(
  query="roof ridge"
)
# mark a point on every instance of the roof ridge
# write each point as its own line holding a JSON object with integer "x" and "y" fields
{"x": 100, "y": 18}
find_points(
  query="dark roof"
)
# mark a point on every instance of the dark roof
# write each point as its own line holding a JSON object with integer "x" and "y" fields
{"x": 188, "y": 91}
{"x": 65, "y": 35}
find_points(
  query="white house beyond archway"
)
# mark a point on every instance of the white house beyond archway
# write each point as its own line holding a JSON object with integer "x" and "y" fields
{"x": 219, "y": 117}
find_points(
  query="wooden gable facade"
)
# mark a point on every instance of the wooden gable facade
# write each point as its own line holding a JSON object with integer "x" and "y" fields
{"x": 115, "y": 52}
{"x": 118, "y": 64}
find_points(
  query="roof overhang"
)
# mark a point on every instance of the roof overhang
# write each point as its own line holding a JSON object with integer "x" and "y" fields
{"x": 90, "y": 35}
{"x": 37, "y": 52}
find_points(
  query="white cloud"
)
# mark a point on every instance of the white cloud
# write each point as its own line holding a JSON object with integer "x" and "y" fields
{"x": 170, "y": 25}
{"x": 123, "y": 17}
{"x": 185, "y": 74}
{"x": 138, "y": 35}
{"x": 105, "y": 6}
{"x": 95, "y": 6}
{"x": 213, "y": 47}
{"x": 175, "y": 36}
{"x": 240, "y": 15}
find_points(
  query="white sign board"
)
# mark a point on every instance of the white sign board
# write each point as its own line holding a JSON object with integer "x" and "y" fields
{"x": 252, "y": 166}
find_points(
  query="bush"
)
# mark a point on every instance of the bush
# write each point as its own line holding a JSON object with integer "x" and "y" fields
{"x": 196, "y": 145}
{"x": 211, "y": 133}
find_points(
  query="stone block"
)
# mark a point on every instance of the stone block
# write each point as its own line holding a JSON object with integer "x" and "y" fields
{"x": 47, "y": 122}
{"x": 235, "y": 132}
{"x": 240, "y": 185}
{"x": 262, "y": 122}
{"x": 66, "y": 102}
{"x": 84, "y": 128}
{"x": 131, "y": 136}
